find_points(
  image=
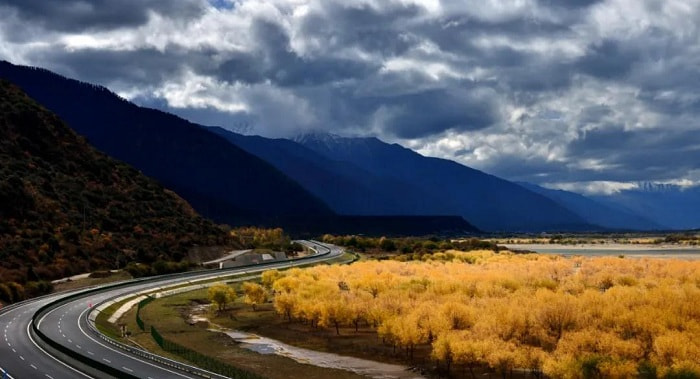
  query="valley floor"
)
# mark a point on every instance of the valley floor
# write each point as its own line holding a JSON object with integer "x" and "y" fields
{"x": 614, "y": 249}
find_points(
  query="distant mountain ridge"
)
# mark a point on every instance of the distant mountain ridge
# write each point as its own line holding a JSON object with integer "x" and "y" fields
{"x": 220, "y": 180}
{"x": 596, "y": 212}
{"x": 491, "y": 203}
{"x": 345, "y": 187}
{"x": 672, "y": 206}
{"x": 305, "y": 183}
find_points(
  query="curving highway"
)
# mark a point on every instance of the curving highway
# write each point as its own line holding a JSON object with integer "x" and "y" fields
{"x": 65, "y": 322}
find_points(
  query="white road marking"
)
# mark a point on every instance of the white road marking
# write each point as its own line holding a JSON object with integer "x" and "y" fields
{"x": 106, "y": 360}
{"x": 127, "y": 369}
{"x": 21, "y": 357}
{"x": 121, "y": 353}
{"x": 32, "y": 366}
{"x": 49, "y": 355}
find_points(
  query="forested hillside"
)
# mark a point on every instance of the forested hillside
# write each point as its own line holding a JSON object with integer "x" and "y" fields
{"x": 220, "y": 180}
{"x": 66, "y": 208}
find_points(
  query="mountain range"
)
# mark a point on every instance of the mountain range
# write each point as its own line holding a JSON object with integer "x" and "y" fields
{"x": 368, "y": 176}
{"x": 66, "y": 208}
{"x": 216, "y": 177}
{"x": 219, "y": 179}
{"x": 311, "y": 183}
{"x": 671, "y": 206}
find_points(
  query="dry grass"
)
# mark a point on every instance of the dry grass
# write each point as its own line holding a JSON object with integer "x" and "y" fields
{"x": 169, "y": 316}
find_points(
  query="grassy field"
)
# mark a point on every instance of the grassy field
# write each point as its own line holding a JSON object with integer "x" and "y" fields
{"x": 170, "y": 316}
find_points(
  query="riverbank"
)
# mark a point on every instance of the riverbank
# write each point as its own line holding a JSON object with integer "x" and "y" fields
{"x": 613, "y": 249}
{"x": 173, "y": 316}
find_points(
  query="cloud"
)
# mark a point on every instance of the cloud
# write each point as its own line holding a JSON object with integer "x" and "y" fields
{"x": 575, "y": 93}
{"x": 86, "y": 15}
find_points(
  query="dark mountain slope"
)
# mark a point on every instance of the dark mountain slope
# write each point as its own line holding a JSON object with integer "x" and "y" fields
{"x": 595, "y": 211}
{"x": 672, "y": 206}
{"x": 66, "y": 208}
{"x": 220, "y": 180}
{"x": 345, "y": 187}
{"x": 489, "y": 202}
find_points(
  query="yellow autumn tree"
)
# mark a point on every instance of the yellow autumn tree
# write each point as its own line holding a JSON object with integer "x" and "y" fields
{"x": 221, "y": 294}
{"x": 255, "y": 294}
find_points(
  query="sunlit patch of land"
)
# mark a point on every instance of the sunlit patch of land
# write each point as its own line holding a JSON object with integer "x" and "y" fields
{"x": 508, "y": 313}
{"x": 459, "y": 314}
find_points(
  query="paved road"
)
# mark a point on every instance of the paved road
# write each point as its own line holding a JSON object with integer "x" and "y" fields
{"x": 23, "y": 357}
{"x": 20, "y": 355}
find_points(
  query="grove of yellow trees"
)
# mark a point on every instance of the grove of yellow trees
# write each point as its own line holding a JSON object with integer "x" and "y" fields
{"x": 564, "y": 318}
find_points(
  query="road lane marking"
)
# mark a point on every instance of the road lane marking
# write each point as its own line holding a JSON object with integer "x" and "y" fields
{"x": 32, "y": 366}
{"x": 122, "y": 353}
{"x": 21, "y": 357}
{"x": 127, "y": 369}
{"x": 29, "y": 325}
{"x": 106, "y": 360}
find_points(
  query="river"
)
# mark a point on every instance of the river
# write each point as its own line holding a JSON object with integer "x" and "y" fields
{"x": 373, "y": 369}
{"x": 631, "y": 251}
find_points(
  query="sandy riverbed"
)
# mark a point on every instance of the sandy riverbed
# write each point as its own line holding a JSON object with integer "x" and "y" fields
{"x": 264, "y": 345}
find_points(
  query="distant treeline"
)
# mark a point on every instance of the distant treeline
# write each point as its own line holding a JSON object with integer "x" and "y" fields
{"x": 409, "y": 245}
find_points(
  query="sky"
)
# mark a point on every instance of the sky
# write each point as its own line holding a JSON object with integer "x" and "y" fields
{"x": 585, "y": 95}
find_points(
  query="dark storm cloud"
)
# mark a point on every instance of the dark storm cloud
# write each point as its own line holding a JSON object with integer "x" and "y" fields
{"x": 593, "y": 114}
{"x": 275, "y": 61}
{"x": 457, "y": 33}
{"x": 570, "y": 3}
{"x": 555, "y": 91}
{"x": 637, "y": 155}
{"x": 142, "y": 67}
{"x": 430, "y": 112}
{"x": 363, "y": 26}
{"x": 81, "y": 15}
{"x": 608, "y": 60}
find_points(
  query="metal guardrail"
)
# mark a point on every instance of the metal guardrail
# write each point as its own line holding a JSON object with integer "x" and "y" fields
{"x": 155, "y": 357}
{"x": 129, "y": 349}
